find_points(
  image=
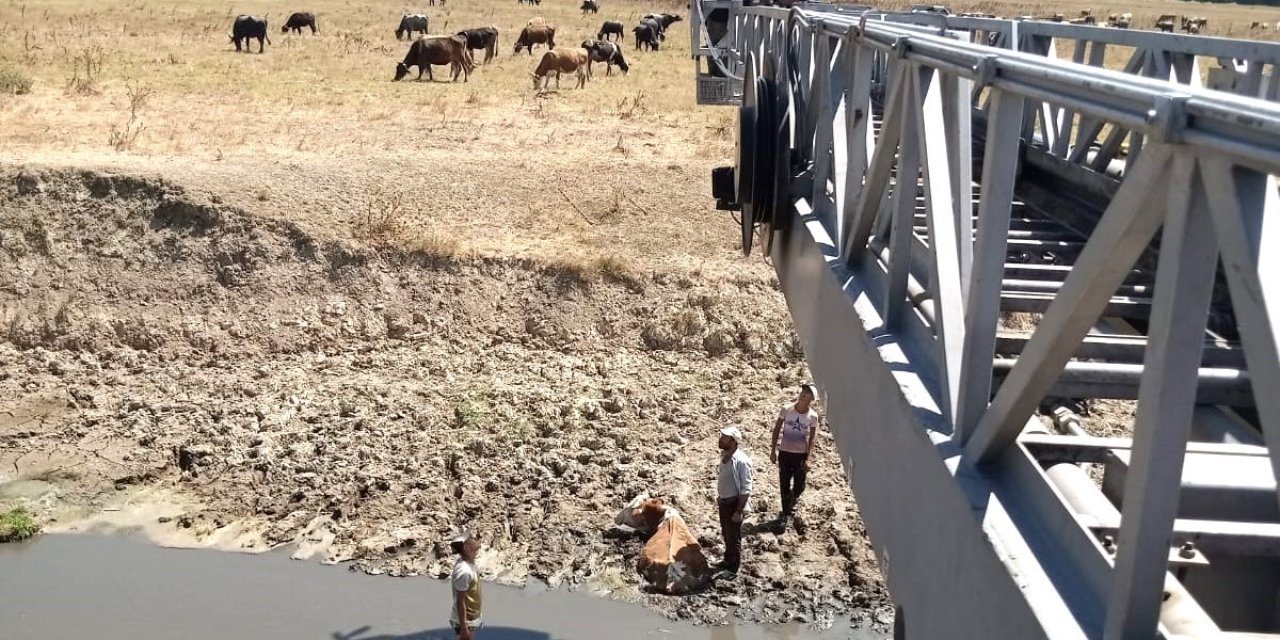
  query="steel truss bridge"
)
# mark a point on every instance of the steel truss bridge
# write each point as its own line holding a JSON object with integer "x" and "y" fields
{"x": 924, "y": 185}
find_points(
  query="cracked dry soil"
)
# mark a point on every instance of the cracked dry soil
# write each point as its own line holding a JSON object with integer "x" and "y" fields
{"x": 365, "y": 403}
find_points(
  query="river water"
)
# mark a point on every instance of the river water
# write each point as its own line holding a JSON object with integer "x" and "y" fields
{"x": 90, "y": 587}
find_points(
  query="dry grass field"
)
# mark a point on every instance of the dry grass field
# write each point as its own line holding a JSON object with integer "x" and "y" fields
{"x": 314, "y": 129}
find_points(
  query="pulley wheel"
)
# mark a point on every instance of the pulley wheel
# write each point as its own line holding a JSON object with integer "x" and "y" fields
{"x": 756, "y": 125}
{"x": 744, "y": 177}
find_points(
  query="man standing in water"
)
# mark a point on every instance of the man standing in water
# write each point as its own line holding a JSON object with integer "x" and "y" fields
{"x": 465, "y": 583}
{"x": 793, "y": 437}
{"x": 733, "y": 488}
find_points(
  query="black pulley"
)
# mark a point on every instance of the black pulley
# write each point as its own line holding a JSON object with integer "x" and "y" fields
{"x": 745, "y": 162}
{"x": 780, "y": 168}
{"x": 756, "y": 121}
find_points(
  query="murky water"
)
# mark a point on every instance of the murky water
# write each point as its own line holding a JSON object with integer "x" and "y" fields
{"x": 74, "y": 587}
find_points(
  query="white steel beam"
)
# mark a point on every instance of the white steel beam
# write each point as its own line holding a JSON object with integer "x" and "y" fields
{"x": 982, "y": 306}
{"x": 860, "y": 138}
{"x": 903, "y": 200}
{"x": 1166, "y": 400}
{"x": 944, "y": 239}
{"x": 1246, "y": 215}
{"x": 1126, "y": 228}
{"x": 880, "y": 169}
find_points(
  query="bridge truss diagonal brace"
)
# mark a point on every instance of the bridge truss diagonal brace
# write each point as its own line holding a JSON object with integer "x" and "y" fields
{"x": 982, "y": 299}
{"x": 1166, "y": 402}
{"x": 1125, "y": 230}
{"x": 1246, "y": 215}
{"x": 879, "y": 170}
{"x": 937, "y": 153}
{"x": 903, "y": 199}
{"x": 860, "y": 137}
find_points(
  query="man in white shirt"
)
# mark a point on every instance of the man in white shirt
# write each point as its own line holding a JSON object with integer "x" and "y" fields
{"x": 733, "y": 490}
{"x": 465, "y": 614}
{"x": 793, "y": 437}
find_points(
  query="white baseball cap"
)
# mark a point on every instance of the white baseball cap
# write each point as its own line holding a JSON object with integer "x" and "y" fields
{"x": 732, "y": 432}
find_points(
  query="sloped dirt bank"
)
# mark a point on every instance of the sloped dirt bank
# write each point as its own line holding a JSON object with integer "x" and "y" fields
{"x": 366, "y": 403}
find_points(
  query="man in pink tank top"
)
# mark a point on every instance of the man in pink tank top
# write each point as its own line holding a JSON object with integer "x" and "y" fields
{"x": 793, "y": 437}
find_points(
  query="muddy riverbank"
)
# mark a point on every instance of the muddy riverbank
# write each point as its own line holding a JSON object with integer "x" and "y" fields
{"x": 240, "y": 381}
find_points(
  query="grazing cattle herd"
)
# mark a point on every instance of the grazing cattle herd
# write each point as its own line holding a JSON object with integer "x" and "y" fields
{"x": 455, "y": 51}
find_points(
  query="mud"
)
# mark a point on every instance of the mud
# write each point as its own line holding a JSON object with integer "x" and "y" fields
{"x": 297, "y": 388}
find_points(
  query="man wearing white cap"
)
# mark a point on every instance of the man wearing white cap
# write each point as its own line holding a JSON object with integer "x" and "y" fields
{"x": 465, "y": 583}
{"x": 733, "y": 488}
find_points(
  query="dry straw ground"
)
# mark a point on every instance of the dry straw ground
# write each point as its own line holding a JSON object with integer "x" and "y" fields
{"x": 313, "y": 127}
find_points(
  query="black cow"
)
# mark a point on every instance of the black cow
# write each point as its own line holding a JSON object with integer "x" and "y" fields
{"x": 606, "y": 52}
{"x": 663, "y": 21}
{"x": 483, "y": 38}
{"x": 590, "y": 6}
{"x": 437, "y": 50}
{"x": 610, "y": 28}
{"x": 247, "y": 28}
{"x": 537, "y": 2}
{"x": 298, "y": 21}
{"x": 411, "y": 22}
{"x": 647, "y": 36}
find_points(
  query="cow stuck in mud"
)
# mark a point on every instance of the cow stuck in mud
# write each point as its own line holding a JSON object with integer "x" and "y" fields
{"x": 672, "y": 560}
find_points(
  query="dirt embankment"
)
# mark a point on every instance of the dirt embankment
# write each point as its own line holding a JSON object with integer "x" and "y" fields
{"x": 367, "y": 403}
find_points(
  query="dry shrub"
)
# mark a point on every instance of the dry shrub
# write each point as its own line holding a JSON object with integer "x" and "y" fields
{"x": 586, "y": 270}
{"x": 434, "y": 245}
{"x": 388, "y": 220}
{"x": 632, "y": 106}
{"x": 86, "y": 67}
{"x": 14, "y": 81}
{"x": 383, "y": 220}
{"x": 123, "y": 138}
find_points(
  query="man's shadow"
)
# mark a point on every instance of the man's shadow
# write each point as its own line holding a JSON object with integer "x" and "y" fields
{"x": 777, "y": 526}
{"x": 445, "y": 633}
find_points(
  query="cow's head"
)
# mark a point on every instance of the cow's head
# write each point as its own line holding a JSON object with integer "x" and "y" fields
{"x": 643, "y": 513}
{"x": 536, "y": 78}
{"x": 402, "y": 70}
{"x": 625, "y": 516}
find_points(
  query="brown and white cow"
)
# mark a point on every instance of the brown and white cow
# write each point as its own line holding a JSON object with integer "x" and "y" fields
{"x": 672, "y": 561}
{"x": 558, "y": 61}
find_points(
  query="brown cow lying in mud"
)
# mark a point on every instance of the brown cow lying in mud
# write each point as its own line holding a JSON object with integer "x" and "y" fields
{"x": 672, "y": 560}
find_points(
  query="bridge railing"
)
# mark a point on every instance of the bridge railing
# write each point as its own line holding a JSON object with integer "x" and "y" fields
{"x": 875, "y": 121}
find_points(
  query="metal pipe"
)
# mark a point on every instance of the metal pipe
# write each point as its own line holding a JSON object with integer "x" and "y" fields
{"x": 1180, "y": 614}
